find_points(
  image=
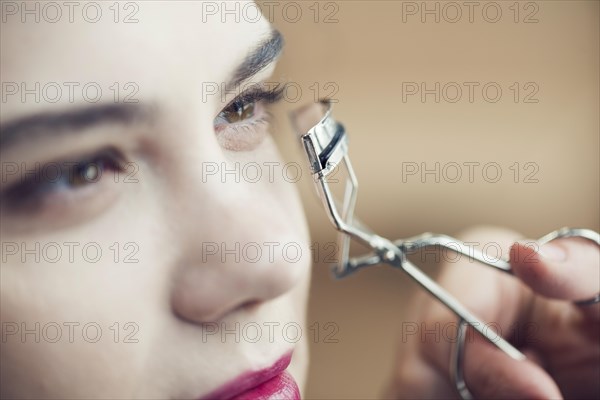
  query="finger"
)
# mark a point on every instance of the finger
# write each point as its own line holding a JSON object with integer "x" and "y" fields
{"x": 491, "y": 374}
{"x": 499, "y": 300}
{"x": 567, "y": 268}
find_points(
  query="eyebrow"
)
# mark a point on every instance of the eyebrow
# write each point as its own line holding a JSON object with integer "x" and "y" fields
{"x": 264, "y": 54}
{"x": 44, "y": 124}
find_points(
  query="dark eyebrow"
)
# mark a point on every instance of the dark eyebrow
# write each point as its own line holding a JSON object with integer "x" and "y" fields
{"x": 263, "y": 55}
{"x": 79, "y": 119}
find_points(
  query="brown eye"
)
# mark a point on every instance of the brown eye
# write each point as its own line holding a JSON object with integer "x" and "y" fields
{"x": 238, "y": 111}
{"x": 86, "y": 173}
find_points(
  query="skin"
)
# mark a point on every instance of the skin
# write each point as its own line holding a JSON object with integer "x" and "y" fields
{"x": 176, "y": 299}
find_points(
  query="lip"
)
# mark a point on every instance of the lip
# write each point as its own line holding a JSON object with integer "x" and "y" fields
{"x": 273, "y": 382}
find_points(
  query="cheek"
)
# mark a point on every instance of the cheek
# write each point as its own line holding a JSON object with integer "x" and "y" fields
{"x": 64, "y": 334}
{"x": 76, "y": 322}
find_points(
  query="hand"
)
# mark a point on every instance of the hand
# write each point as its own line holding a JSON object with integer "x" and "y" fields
{"x": 533, "y": 309}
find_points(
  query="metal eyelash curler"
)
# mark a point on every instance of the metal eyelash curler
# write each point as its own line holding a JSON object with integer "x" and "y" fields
{"x": 326, "y": 145}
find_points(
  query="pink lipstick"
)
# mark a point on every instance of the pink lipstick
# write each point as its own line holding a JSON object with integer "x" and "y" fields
{"x": 273, "y": 382}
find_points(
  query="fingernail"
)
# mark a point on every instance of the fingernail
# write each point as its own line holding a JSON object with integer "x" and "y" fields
{"x": 553, "y": 252}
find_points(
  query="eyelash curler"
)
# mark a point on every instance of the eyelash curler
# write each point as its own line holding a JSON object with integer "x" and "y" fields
{"x": 326, "y": 146}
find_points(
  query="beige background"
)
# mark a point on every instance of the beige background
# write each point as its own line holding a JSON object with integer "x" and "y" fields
{"x": 368, "y": 54}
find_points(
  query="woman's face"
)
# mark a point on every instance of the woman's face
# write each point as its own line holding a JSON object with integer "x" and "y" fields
{"x": 151, "y": 245}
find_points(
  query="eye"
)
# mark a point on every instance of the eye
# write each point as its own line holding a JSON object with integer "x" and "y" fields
{"x": 84, "y": 173}
{"x": 244, "y": 123}
{"x": 60, "y": 178}
{"x": 249, "y": 106}
{"x": 238, "y": 111}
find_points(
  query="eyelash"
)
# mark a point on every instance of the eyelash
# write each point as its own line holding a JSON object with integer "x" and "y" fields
{"x": 252, "y": 97}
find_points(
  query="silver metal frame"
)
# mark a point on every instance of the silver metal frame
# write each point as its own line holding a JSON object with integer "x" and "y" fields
{"x": 326, "y": 147}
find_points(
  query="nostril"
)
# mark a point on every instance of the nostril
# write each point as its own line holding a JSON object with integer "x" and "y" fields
{"x": 250, "y": 305}
{"x": 201, "y": 305}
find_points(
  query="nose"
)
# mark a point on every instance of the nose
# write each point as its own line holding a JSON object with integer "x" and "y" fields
{"x": 227, "y": 275}
{"x": 238, "y": 243}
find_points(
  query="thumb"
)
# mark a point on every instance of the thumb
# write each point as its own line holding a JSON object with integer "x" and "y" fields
{"x": 490, "y": 374}
{"x": 567, "y": 268}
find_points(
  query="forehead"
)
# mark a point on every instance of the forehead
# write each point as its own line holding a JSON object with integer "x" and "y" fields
{"x": 158, "y": 46}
